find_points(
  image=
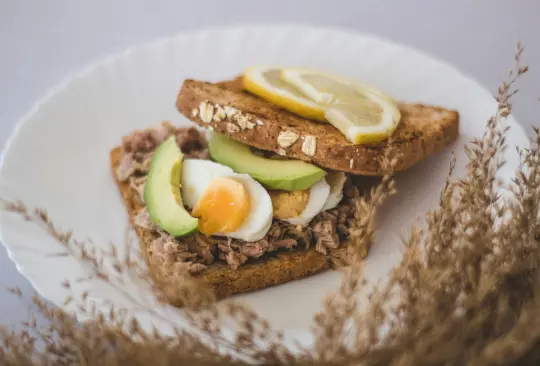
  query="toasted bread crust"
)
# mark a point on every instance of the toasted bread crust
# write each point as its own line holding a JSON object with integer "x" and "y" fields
{"x": 267, "y": 271}
{"x": 423, "y": 130}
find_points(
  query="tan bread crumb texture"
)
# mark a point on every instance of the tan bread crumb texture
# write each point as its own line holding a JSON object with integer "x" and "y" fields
{"x": 256, "y": 274}
{"x": 423, "y": 130}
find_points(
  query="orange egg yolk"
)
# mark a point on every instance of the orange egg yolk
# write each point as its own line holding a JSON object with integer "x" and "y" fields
{"x": 223, "y": 207}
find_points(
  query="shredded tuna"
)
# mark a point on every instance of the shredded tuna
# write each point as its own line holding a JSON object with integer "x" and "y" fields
{"x": 275, "y": 231}
{"x": 137, "y": 185}
{"x": 126, "y": 167}
{"x": 235, "y": 259}
{"x": 343, "y": 230}
{"x": 205, "y": 248}
{"x": 147, "y": 140}
{"x": 192, "y": 142}
{"x": 144, "y": 167}
{"x": 172, "y": 246}
{"x": 187, "y": 256}
{"x": 159, "y": 245}
{"x": 139, "y": 147}
{"x": 169, "y": 247}
{"x": 254, "y": 250}
{"x": 142, "y": 219}
{"x": 285, "y": 243}
{"x": 325, "y": 232}
{"x": 302, "y": 235}
{"x": 194, "y": 253}
{"x": 224, "y": 247}
{"x": 133, "y": 164}
{"x": 280, "y": 236}
{"x": 161, "y": 132}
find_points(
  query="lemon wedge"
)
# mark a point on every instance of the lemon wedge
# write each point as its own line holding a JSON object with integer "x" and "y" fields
{"x": 363, "y": 114}
{"x": 266, "y": 83}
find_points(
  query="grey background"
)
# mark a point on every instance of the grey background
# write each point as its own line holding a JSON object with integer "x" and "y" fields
{"x": 44, "y": 42}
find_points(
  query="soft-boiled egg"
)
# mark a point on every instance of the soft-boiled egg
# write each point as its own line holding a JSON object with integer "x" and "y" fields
{"x": 226, "y": 203}
{"x": 318, "y": 194}
{"x": 300, "y": 207}
{"x": 335, "y": 180}
{"x": 197, "y": 175}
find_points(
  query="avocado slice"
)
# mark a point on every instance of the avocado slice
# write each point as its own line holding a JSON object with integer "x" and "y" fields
{"x": 287, "y": 175}
{"x": 162, "y": 191}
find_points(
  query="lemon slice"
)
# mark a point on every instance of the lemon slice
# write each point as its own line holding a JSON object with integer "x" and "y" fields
{"x": 266, "y": 83}
{"x": 363, "y": 114}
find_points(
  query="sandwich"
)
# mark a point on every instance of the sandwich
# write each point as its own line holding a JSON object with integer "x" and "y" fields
{"x": 261, "y": 189}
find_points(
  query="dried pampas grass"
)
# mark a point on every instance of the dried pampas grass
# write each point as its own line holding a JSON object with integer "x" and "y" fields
{"x": 467, "y": 291}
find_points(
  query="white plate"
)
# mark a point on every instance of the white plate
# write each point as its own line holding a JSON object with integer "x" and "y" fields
{"x": 58, "y": 157}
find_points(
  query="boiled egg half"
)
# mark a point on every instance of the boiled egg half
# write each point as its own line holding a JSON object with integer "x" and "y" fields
{"x": 226, "y": 203}
{"x": 300, "y": 207}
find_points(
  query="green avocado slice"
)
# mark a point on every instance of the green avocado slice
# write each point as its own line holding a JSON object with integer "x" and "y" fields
{"x": 287, "y": 175}
{"x": 162, "y": 191}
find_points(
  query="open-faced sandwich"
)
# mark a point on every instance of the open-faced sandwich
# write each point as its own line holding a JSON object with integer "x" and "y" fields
{"x": 266, "y": 194}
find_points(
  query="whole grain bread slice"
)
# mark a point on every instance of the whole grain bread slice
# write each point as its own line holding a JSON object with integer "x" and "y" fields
{"x": 256, "y": 274}
{"x": 423, "y": 130}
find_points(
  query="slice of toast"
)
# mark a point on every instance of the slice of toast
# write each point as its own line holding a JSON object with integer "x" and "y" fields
{"x": 269, "y": 270}
{"x": 422, "y": 131}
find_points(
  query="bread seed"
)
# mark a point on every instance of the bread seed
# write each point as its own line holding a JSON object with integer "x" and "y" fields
{"x": 220, "y": 114}
{"x": 351, "y": 162}
{"x": 242, "y": 121}
{"x": 194, "y": 112}
{"x": 230, "y": 111}
{"x": 287, "y": 138}
{"x": 232, "y": 128}
{"x": 282, "y": 152}
{"x": 206, "y": 111}
{"x": 309, "y": 145}
{"x": 259, "y": 122}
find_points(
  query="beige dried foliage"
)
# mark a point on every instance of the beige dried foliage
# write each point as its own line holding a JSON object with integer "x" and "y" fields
{"x": 467, "y": 291}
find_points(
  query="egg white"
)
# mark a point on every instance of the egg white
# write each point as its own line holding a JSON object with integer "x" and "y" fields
{"x": 336, "y": 190}
{"x": 318, "y": 194}
{"x": 197, "y": 175}
{"x": 258, "y": 222}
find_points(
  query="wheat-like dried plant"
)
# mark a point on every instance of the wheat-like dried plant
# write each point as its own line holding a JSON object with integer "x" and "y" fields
{"x": 467, "y": 291}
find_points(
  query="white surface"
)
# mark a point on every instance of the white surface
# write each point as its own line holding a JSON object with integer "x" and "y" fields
{"x": 68, "y": 157}
{"x": 44, "y": 42}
